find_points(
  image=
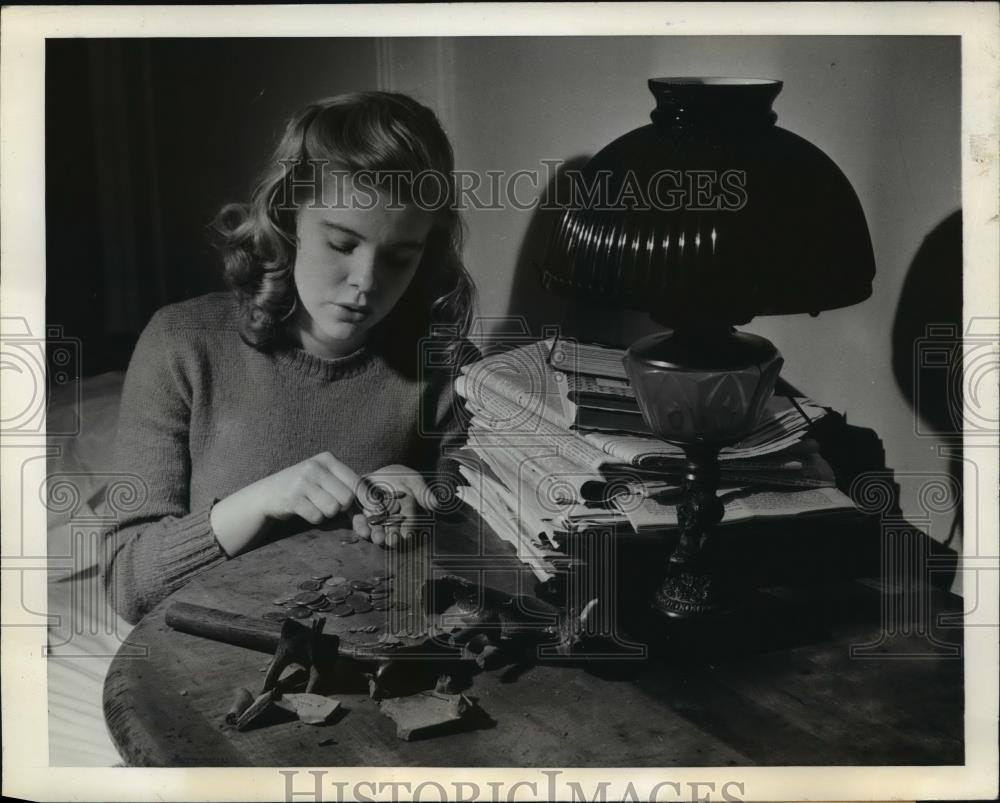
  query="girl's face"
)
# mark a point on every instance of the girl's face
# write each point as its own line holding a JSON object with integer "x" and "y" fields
{"x": 356, "y": 256}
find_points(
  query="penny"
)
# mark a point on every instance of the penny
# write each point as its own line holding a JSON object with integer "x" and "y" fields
{"x": 281, "y": 600}
{"x": 351, "y": 540}
{"x": 324, "y": 606}
{"x": 320, "y": 577}
{"x": 306, "y": 597}
{"x": 310, "y": 585}
{"x": 357, "y": 599}
{"x": 361, "y": 585}
{"x": 381, "y": 605}
{"x": 342, "y": 610}
{"x": 378, "y": 593}
{"x": 275, "y": 616}
{"x": 361, "y": 607}
{"x": 300, "y": 612}
{"x": 378, "y": 578}
{"x": 335, "y": 581}
{"x": 336, "y": 599}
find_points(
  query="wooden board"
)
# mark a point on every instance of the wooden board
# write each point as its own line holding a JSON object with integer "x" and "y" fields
{"x": 784, "y": 691}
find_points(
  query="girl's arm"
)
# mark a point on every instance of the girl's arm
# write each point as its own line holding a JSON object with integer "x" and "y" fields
{"x": 161, "y": 545}
{"x": 317, "y": 489}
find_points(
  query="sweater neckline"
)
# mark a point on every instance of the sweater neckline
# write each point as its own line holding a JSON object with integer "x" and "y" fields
{"x": 326, "y": 368}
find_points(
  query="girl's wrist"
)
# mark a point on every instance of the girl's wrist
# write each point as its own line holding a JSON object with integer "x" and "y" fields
{"x": 237, "y": 521}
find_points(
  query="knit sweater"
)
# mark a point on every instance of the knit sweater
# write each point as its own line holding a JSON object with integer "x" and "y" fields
{"x": 203, "y": 414}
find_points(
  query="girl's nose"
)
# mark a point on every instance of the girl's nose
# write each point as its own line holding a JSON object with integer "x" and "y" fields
{"x": 363, "y": 272}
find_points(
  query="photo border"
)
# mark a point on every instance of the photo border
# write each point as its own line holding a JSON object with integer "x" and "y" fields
{"x": 22, "y": 251}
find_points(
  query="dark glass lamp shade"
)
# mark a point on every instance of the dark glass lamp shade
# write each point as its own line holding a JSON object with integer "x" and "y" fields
{"x": 712, "y": 212}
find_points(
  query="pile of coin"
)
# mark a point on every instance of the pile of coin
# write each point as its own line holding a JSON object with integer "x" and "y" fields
{"x": 337, "y": 596}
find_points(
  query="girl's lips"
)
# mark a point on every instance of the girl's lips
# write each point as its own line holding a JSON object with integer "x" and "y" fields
{"x": 353, "y": 312}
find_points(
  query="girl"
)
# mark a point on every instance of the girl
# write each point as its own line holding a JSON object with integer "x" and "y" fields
{"x": 275, "y": 406}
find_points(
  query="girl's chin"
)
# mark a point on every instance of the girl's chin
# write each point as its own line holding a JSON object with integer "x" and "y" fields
{"x": 344, "y": 335}
{"x": 329, "y": 335}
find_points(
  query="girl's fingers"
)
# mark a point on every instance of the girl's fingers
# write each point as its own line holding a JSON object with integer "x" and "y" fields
{"x": 308, "y": 511}
{"x": 361, "y": 526}
{"x": 407, "y": 509}
{"x": 324, "y": 501}
{"x": 343, "y": 473}
{"x": 340, "y": 481}
{"x": 392, "y": 537}
{"x": 378, "y": 535}
{"x": 376, "y": 493}
{"x": 335, "y": 487}
{"x": 417, "y": 487}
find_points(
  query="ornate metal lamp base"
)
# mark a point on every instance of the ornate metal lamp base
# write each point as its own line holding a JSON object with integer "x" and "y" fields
{"x": 701, "y": 386}
{"x": 693, "y": 586}
{"x": 689, "y": 595}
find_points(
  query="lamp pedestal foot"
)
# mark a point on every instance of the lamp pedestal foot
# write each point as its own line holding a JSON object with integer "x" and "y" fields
{"x": 693, "y": 586}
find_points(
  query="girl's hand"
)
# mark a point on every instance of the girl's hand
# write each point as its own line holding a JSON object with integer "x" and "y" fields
{"x": 411, "y": 495}
{"x": 316, "y": 489}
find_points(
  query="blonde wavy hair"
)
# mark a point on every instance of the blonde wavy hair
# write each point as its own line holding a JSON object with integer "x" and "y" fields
{"x": 378, "y": 132}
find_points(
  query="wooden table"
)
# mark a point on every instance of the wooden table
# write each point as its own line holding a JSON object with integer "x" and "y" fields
{"x": 779, "y": 689}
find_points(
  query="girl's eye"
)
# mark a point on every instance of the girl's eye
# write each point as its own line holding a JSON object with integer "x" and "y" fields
{"x": 343, "y": 249}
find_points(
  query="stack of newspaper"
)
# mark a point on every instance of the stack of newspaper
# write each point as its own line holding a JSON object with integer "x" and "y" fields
{"x": 538, "y": 471}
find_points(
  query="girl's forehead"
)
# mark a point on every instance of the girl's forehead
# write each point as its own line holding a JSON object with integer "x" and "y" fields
{"x": 342, "y": 189}
{"x": 372, "y": 212}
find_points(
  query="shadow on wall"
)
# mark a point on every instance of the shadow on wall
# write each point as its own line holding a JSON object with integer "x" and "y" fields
{"x": 537, "y": 308}
{"x": 927, "y": 339}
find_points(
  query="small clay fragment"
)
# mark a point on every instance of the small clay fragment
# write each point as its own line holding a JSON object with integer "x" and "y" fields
{"x": 256, "y": 708}
{"x": 445, "y": 685}
{"x": 312, "y": 709}
{"x": 242, "y": 700}
{"x": 427, "y": 713}
{"x": 292, "y": 675}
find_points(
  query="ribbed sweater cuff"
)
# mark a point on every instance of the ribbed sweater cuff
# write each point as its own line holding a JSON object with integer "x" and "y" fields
{"x": 191, "y": 549}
